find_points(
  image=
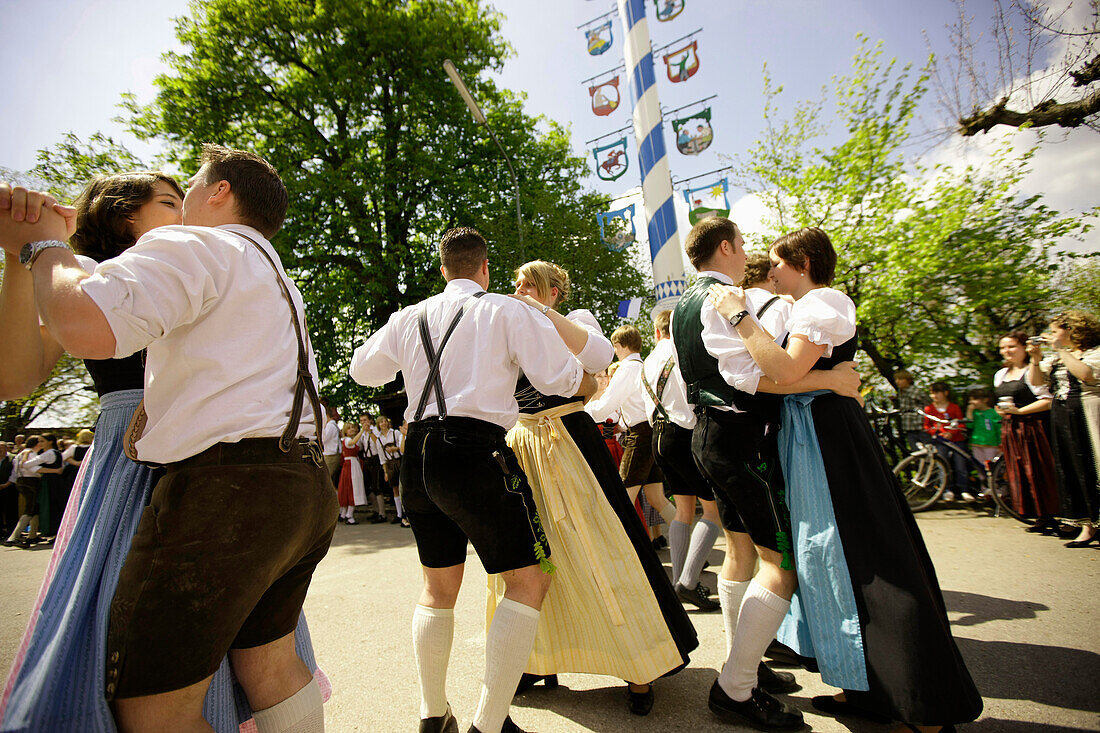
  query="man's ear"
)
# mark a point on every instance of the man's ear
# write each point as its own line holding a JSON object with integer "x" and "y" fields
{"x": 221, "y": 195}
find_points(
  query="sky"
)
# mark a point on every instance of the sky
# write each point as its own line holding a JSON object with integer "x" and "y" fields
{"x": 99, "y": 49}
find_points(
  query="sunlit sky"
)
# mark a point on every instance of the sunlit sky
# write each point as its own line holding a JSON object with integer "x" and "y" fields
{"x": 72, "y": 59}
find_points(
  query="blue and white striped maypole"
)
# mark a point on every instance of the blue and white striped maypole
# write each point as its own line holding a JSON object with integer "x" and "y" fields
{"x": 664, "y": 239}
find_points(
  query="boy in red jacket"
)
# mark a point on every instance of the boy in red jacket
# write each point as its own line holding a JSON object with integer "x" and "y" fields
{"x": 955, "y": 432}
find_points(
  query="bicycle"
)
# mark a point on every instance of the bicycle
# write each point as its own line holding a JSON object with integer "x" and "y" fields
{"x": 924, "y": 474}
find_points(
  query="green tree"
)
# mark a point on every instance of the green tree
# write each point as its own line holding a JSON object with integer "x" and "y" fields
{"x": 940, "y": 261}
{"x": 350, "y": 103}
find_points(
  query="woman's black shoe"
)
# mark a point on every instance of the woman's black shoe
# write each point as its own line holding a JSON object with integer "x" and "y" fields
{"x": 774, "y": 681}
{"x": 780, "y": 653}
{"x": 527, "y": 681}
{"x": 761, "y": 710}
{"x": 445, "y": 723}
{"x": 639, "y": 703}
{"x": 1084, "y": 543}
{"x": 832, "y": 706}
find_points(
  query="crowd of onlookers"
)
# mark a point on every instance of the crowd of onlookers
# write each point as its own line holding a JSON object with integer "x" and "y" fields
{"x": 1043, "y": 415}
{"x": 37, "y": 473}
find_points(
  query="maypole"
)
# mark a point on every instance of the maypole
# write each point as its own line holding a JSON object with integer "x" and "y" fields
{"x": 664, "y": 240}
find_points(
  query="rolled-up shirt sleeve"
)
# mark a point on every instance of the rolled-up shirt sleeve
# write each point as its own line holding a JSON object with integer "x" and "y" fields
{"x": 541, "y": 353}
{"x": 721, "y": 341}
{"x": 624, "y": 381}
{"x": 375, "y": 362}
{"x": 598, "y": 353}
{"x": 166, "y": 280}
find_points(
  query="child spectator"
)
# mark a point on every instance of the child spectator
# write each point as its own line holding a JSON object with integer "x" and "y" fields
{"x": 943, "y": 408}
{"x": 985, "y": 425}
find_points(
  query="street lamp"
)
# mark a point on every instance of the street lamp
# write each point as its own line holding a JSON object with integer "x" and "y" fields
{"x": 479, "y": 117}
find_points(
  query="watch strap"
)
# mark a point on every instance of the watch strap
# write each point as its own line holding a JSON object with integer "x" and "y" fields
{"x": 736, "y": 320}
{"x": 31, "y": 251}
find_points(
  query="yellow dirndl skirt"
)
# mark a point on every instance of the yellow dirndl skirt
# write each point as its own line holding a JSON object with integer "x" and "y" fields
{"x": 600, "y": 615}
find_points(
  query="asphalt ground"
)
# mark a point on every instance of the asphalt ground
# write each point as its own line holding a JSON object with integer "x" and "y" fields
{"x": 1024, "y": 610}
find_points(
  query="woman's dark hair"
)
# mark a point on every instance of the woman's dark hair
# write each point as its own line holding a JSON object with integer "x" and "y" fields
{"x": 811, "y": 246}
{"x": 1082, "y": 328}
{"x": 1019, "y": 337}
{"x": 103, "y": 209}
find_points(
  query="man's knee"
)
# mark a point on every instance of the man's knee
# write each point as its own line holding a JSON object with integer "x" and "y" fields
{"x": 772, "y": 575}
{"x": 685, "y": 508}
{"x": 176, "y": 710}
{"x": 528, "y": 585}
{"x": 269, "y": 673}
{"x": 441, "y": 586}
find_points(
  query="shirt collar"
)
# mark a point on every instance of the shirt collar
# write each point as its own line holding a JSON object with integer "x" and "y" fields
{"x": 633, "y": 357}
{"x": 462, "y": 285}
{"x": 717, "y": 276}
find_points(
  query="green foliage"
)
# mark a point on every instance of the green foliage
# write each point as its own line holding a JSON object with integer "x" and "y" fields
{"x": 940, "y": 261}
{"x": 350, "y": 103}
{"x": 70, "y": 164}
{"x": 68, "y": 391}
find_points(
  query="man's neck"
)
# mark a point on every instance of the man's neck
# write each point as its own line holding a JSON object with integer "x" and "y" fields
{"x": 719, "y": 268}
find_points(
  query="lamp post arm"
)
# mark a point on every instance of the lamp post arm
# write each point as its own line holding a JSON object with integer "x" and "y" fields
{"x": 515, "y": 184}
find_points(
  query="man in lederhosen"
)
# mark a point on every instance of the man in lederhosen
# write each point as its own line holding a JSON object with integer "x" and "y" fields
{"x": 735, "y": 445}
{"x": 225, "y": 551}
{"x": 461, "y": 353}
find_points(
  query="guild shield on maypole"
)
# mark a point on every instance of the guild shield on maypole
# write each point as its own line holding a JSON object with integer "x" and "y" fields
{"x": 664, "y": 240}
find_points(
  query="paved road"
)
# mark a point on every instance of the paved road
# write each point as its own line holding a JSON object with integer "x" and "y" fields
{"x": 1024, "y": 610}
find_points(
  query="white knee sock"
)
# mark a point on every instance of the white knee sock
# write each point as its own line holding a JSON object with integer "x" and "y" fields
{"x": 667, "y": 512}
{"x": 507, "y": 647}
{"x": 761, "y": 614}
{"x": 397, "y": 504}
{"x": 433, "y": 632}
{"x": 19, "y": 527}
{"x": 679, "y": 535}
{"x": 702, "y": 540}
{"x": 730, "y": 595}
{"x": 302, "y": 712}
{"x": 380, "y": 503}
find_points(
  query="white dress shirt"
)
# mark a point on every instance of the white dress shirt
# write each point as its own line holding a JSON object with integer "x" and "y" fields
{"x": 674, "y": 398}
{"x": 368, "y": 443}
{"x": 330, "y": 438}
{"x": 721, "y": 341}
{"x": 775, "y": 317}
{"x": 623, "y": 393}
{"x": 222, "y": 357}
{"x": 496, "y": 339}
{"x": 390, "y": 439}
{"x": 598, "y": 353}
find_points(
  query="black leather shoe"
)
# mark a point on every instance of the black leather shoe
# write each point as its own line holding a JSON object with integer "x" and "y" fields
{"x": 761, "y": 710}
{"x": 639, "y": 703}
{"x": 508, "y": 727}
{"x": 697, "y": 597}
{"x": 445, "y": 723}
{"x": 527, "y": 681}
{"x": 780, "y": 653}
{"x": 774, "y": 681}
{"x": 832, "y": 706}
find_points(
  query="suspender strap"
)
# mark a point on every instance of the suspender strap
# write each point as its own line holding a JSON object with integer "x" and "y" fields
{"x": 434, "y": 382}
{"x": 767, "y": 305}
{"x": 662, "y": 380}
{"x": 304, "y": 384}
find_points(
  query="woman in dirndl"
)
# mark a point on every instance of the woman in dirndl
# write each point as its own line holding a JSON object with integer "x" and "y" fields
{"x": 611, "y": 609}
{"x": 58, "y": 677}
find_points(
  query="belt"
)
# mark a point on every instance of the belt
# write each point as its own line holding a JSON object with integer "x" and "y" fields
{"x": 466, "y": 425}
{"x": 252, "y": 451}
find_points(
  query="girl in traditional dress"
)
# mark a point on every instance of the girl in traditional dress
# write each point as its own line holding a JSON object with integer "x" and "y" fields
{"x": 57, "y": 680}
{"x": 1024, "y": 411}
{"x": 352, "y": 491}
{"x": 1073, "y": 375}
{"x": 611, "y": 609}
{"x": 868, "y": 606}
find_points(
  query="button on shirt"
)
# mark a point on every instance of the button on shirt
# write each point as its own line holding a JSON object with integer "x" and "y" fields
{"x": 496, "y": 339}
{"x": 721, "y": 341}
{"x": 623, "y": 393}
{"x": 674, "y": 398}
{"x": 222, "y": 357}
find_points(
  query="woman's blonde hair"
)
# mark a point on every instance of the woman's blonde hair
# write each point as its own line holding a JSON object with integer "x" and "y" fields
{"x": 546, "y": 276}
{"x": 84, "y": 437}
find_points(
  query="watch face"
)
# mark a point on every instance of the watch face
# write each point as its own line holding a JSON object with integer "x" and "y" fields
{"x": 25, "y": 253}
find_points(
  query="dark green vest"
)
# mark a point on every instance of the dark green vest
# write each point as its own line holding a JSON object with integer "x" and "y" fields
{"x": 705, "y": 385}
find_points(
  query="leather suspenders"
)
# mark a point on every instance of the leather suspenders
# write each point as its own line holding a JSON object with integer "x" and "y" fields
{"x": 660, "y": 412}
{"x": 767, "y": 305}
{"x": 434, "y": 382}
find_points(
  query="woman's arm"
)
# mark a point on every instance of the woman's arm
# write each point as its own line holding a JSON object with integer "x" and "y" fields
{"x": 31, "y": 352}
{"x": 574, "y": 336}
{"x": 1042, "y": 405}
{"x": 1076, "y": 367}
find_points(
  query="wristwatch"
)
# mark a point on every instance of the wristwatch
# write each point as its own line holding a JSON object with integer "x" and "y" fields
{"x": 738, "y": 318}
{"x": 31, "y": 250}
{"x": 546, "y": 309}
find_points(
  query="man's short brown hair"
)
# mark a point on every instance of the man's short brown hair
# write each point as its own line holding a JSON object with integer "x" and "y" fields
{"x": 257, "y": 188}
{"x": 704, "y": 238}
{"x": 627, "y": 336}
{"x": 757, "y": 267}
{"x": 462, "y": 250}
{"x": 662, "y": 321}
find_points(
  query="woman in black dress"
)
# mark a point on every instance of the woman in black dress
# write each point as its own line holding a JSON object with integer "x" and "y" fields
{"x": 877, "y": 623}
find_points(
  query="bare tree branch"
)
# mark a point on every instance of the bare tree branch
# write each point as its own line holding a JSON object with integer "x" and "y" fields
{"x": 1068, "y": 114}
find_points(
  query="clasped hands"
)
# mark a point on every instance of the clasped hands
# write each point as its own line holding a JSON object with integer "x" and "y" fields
{"x": 32, "y": 216}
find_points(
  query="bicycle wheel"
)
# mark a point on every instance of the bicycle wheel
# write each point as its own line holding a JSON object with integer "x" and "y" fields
{"x": 923, "y": 479}
{"x": 1000, "y": 492}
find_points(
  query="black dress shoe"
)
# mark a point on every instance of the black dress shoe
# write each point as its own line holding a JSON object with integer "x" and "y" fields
{"x": 761, "y": 710}
{"x": 639, "y": 703}
{"x": 508, "y": 727}
{"x": 774, "y": 681}
{"x": 527, "y": 681}
{"x": 832, "y": 706}
{"x": 780, "y": 653}
{"x": 697, "y": 597}
{"x": 444, "y": 723}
